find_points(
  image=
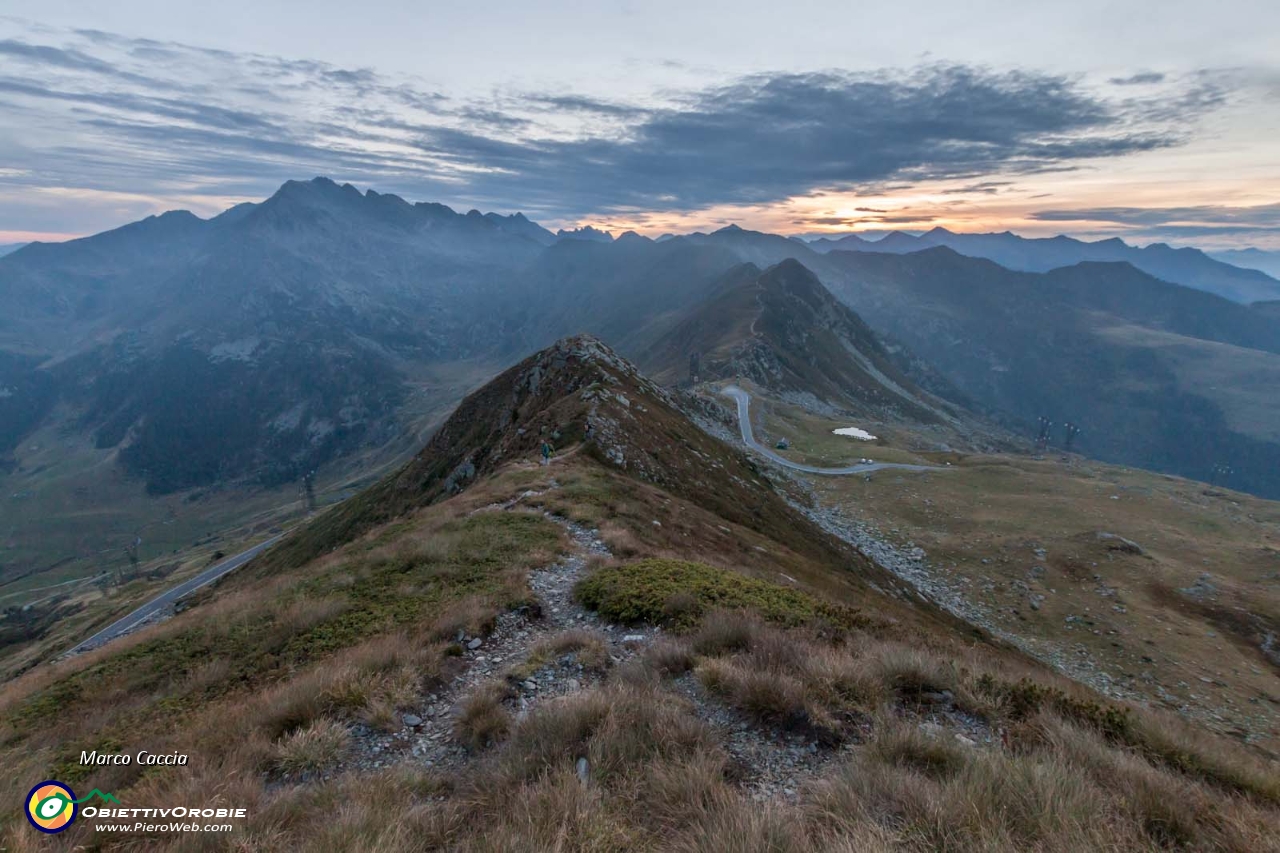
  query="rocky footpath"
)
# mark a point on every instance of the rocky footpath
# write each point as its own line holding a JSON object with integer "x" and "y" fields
{"x": 427, "y": 731}
{"x": 767, "y": 762}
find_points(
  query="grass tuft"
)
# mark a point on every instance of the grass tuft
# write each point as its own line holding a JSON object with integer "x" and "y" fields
{"x": 310, "y": 750}
{"x": 483, "y": 720}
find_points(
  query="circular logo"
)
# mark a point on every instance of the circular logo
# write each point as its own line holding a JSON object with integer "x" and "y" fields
{"x": 51, "y": 806}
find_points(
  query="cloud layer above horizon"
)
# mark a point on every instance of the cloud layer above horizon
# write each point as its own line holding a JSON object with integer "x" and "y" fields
{"x": 104, "y": 127}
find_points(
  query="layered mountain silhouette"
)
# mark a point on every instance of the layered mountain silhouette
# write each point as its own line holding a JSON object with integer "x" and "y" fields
{"x": 782, "y": 329}
{"x": 1157, "y": 375}
{"x": 1253, "y": 259}
{"x": 257, "y": 345}
{"x": 1190, "y": 267}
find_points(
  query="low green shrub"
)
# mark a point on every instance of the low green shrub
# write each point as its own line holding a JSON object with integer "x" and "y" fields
{"x": 643, "y": 591}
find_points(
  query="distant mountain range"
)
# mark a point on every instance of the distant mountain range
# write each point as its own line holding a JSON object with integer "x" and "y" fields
{"x": 259, "y": 343}
{"x": 1190, "y": 267}
{"x": 1254, "y": 259}
{"x": 7, "y": 248}
{"x": 1158, "y": 375}
{"x": 255, "y": 346}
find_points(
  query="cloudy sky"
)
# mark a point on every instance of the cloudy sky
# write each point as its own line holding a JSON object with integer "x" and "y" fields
{"x": 1148, "y": 120}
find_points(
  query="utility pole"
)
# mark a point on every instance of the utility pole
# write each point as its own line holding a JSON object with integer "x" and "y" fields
{"x": 1222, "y": 471}
{"x": 309, "y": 491}
{"x": 132, "y": 551}
{"x": 1072, "y": 432}
{"x": 1042, "y": 438}
{"x": 695, "y": 367}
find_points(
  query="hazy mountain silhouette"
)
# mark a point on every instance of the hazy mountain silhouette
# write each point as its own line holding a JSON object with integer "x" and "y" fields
{"x": 260, "y": 343}
{"x": 1190, "y": 267}
{"x": 782, "y": 329}
{"x": 1254, "y": 259}
{"x": 1157, "y": 375}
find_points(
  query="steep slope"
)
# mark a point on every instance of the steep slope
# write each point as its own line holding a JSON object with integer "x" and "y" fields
{"x": 1137, "y": 363}
{"x": 1190, "y": 267}
{"x": 577, "y": 391}
{"x": 784, "y": 331}
{"x": 261, "y": 343}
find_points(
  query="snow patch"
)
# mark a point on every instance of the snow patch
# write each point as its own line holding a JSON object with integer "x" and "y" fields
{"x": 855, "y": 432}
{"x": 241, "y": 350}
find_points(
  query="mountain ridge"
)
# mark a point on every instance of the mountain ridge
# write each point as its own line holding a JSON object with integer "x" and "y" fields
{"x": 276, "y": 302}
{"x": 782, "y": 329}
{"x": 1186, "y": 266}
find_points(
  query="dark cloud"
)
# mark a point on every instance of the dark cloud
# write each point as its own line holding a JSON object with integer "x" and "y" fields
{"x": 53, "y": 56}
{"x": 983, "y": 188}
{"x": 582, "y": 104}
{"x": 492, "y": 118}
{"x": 849, "y": 221}
{"x": 1142, "y": 78}
{"x": 825, "y": 220}
{"x": 1189, "y": 221}
{"x": 773, "y": 136}
{"x": 141, "y": 116}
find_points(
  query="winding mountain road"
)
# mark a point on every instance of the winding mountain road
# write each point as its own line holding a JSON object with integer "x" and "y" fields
{"x": 743, "y": 400}
{"x": 127, "y": 623}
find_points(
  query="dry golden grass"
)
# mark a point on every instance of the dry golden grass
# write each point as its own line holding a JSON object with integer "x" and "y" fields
{"x": 773, "y": 697}
{"x": 1009, "y": 531}
{"x": 658, "y": 777}
{"x": 724, "y": 631}
{"x": 669, "y": 657}
{"x": 309, "y": 750}
{"x": 588, "y": 648}
{"x": 483, "y": 720}
{"x": 579, "y": 645}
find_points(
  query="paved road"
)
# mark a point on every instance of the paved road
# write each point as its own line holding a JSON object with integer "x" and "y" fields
{"x": 165, "y": 599}
{"x": 744, "y": 424}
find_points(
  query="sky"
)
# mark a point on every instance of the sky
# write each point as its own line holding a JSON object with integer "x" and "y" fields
{"x": 1144, "y": 120}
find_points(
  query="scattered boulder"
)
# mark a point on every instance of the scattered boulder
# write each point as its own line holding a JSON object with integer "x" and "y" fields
{"x": 931, "y": 729}
{"x": 1115, "y": 542}
{"x": 1201, "y": 588}
{"x": 475, "y": 644}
